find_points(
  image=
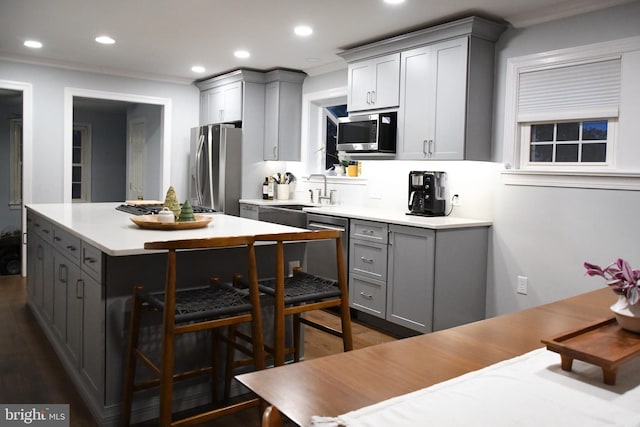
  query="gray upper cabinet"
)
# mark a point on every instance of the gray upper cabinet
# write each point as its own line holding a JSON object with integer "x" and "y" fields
{"x": 433, "y": 96}
{"x": 445, "y": 88}
{"x": 374, "y": 83}
{"x": 282, "y": 115}
{"x": 222, "y": 104}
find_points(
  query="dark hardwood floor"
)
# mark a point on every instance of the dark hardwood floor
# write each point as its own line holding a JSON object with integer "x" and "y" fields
{"x": 30, "y": 371}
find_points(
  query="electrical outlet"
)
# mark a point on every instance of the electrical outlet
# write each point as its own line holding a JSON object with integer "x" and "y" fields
{"x": 455, "y": 200}
{"x": 522, "y": 285}
{"x": 292, "y": 265}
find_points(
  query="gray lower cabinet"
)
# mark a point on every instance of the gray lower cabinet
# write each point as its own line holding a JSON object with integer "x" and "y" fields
{"x": 368, "y": 267}
{"x": 422, "y": 279}
{"x": 66, "y": 295}
{"x": 411, "y": 271}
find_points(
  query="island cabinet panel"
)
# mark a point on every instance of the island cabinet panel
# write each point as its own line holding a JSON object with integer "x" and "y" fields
{"x": 411, "y": 272}
{"x": 67, "y": 300}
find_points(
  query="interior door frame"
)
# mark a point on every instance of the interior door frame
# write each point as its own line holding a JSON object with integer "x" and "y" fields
{"x": 165, "y": 149}
{"x": 27, "y": 155}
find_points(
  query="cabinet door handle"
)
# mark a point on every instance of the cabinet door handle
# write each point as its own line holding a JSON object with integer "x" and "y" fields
{"x": 62, "y": 277}
{"x": 369, "y": 97}
{"x": 366, "y": 260}
{"x": 275, "y": 149}
{"x": 373, "y": 96}
{"x": 367, "y": 296}
{"x": 79, "y": 289}
{"x": 430, "y": 147}
{"x": 424, "y": 147}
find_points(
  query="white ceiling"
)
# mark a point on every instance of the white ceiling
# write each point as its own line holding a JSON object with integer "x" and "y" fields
{"x": 162, "y": 39}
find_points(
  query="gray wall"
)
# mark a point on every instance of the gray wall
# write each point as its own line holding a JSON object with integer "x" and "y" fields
{"x": 547, "y": 233}
{"x": 48, "y": 115}
{"x": 108, "y": 152}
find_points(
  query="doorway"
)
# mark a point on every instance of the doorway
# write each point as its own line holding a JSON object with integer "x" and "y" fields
{"x": 112, "y": 174}
{"x": 11, "y": 148}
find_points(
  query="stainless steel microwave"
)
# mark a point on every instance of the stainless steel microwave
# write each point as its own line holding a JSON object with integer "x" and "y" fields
{"x": 371, "y": 133}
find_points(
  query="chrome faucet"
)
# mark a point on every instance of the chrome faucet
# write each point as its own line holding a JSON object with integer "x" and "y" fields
{"x": 324, "y": 195}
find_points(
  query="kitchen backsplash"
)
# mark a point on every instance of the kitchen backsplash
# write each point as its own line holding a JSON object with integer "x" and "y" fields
{"x": 383, "y": 185}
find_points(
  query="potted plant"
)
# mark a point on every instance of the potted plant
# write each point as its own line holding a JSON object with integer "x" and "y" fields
{"x": 625, "y": 282}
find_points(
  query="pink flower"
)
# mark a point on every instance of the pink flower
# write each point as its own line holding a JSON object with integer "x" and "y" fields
{"x": 620, "y": 277}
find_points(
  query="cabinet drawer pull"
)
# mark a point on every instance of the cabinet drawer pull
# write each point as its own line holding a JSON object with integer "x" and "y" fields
{"x": 367, "y": 260}
{"x": 367, "y": 296}
{"x": 45, "y": 231}
{"x": 71, "y": 248}
{"x": 80, "y": 294}
{"x": 90, "y": 260}
{"x": 57, "y": 238}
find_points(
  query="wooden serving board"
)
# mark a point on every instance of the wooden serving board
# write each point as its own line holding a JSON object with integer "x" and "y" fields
{"x": 143, "y": 202}
{"x": 604, "y": 344}
{"x": 151, "y": 222}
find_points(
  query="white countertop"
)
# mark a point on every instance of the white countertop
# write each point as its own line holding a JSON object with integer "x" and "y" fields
{"x": 388, "y": 216}
{"x": 111, "y": 231}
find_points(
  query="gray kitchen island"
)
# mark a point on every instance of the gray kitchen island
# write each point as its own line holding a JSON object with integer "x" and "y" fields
{"x": 82, "y": 263}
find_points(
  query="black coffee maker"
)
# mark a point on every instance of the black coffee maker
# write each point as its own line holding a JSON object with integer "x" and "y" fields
{"x": 426, "y": 193}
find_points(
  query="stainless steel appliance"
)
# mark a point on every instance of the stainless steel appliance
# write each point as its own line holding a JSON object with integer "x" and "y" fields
{"x": 321, "y": 255}
{"x": 426, "y": 193}
{"x": 215, "y": 168}
{"x": 372, "y": 133}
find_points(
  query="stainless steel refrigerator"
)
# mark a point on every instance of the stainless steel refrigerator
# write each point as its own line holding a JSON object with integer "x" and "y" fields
{"x": 215, "y": 168}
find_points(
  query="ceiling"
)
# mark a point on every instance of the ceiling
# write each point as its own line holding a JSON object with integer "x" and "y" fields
{"x": 163, "y": 39}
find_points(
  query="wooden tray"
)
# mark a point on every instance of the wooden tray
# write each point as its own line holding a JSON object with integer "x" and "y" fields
{"x": 143, "y": 202}
{"x": 151, "y": 222}
{"x": 603, "y": 344}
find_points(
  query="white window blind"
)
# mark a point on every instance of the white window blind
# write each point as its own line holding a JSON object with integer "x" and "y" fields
{"x": 578, "y": 91}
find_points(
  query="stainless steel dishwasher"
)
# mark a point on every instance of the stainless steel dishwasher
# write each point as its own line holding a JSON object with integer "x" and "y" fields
{"x": 321, "y": 256}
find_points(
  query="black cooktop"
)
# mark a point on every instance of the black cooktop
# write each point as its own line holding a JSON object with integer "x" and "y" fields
{"x": 154, "y": 209}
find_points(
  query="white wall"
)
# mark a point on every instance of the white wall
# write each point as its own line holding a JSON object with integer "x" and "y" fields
{"x": 547, "y": 233}
{"x": 48, "y": 116}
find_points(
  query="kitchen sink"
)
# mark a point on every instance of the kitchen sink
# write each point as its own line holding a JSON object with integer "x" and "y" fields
{"x": 291, "y": 215}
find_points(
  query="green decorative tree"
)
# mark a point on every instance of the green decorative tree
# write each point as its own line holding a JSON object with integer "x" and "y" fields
{"x": 186, "y": 214}
{"x": 171, "y": 201}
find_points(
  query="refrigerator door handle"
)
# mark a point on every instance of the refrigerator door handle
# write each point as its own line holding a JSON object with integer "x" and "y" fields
{"x": 198, "y": 176}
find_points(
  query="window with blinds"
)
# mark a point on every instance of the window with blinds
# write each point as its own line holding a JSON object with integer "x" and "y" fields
{"x": 567, "y": 112}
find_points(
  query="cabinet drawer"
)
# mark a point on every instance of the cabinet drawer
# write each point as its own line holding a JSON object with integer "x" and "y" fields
{"x": 92, "y": 261}
{"x": 368, "y": 259}
{"x": 367, "y": 295}
{"x": 67, "y": 243}
{"x": 369, "y": 230}
{"x": 42, "y": 227}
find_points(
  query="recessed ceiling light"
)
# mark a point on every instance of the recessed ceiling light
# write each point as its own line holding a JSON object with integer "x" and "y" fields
{"x": 105, "y": 40}
{"x": 241, "y": 54}
{"x": 197, "y": 69}
{"x": 394, "y": 1}
{"x": 303, "y": 30}
{"x": 33, "y": 44}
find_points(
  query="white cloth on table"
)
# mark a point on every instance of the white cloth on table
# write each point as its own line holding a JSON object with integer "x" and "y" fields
{"x": 528, "y": 390}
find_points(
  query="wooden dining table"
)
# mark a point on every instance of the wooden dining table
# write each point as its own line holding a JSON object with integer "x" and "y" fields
{"x": 336, "y": 384}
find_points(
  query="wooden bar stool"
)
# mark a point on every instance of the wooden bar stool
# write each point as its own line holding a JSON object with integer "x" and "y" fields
{"x": 304, "y": 292}
{"x": 188, "y": 310}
